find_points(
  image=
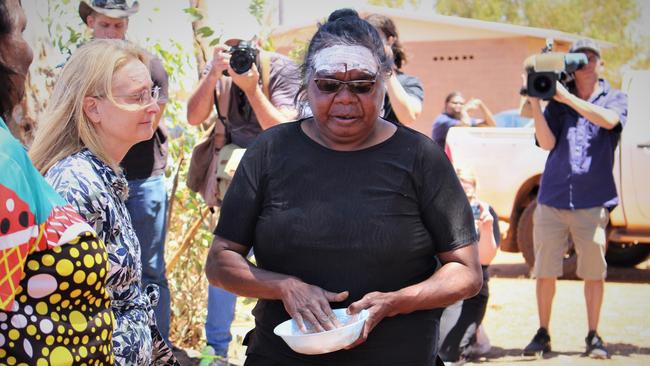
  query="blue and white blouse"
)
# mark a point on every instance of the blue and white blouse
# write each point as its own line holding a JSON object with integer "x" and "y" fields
{"x": 99, "y": 195}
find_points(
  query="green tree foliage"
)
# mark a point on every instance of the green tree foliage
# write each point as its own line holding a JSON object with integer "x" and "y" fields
{"x": 600, "y": 19}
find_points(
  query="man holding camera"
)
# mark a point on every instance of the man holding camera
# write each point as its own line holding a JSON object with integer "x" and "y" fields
{"x": 250, "y": 111}
{"x": 580, "y": 128}
{"x": 253, "y": 104}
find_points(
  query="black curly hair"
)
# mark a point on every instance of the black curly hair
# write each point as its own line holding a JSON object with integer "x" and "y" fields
{"x": 7, "y": 89}
{"x": 343, "y": 27}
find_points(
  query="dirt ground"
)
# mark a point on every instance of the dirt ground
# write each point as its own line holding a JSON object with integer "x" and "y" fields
{"x": 511, "y": 319}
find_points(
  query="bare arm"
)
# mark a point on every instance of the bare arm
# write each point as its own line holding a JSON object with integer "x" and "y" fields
{"x": 487, "y": 114}
{"x": 228, "y": 268}
{"x": 406, "y": 107}
{"x": 543, "y": 133}
{"x": 267, "y": 114}
{"x": 459, "y": 277}
{"x": 474, "y": 103}
{"x": 487, "y": 244}
{"x": 200, "y": 103}
{"x": 603, "y": 117}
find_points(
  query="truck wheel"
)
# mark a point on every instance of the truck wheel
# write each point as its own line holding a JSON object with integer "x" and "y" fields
{"x": 626, "y": 254}
{"x": 527, "y": 249}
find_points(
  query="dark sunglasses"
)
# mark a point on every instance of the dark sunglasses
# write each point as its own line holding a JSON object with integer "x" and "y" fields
{"x": 354, "y": 86}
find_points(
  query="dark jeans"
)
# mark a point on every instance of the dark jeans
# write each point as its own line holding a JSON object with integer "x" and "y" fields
{"x": 147, "y": 205}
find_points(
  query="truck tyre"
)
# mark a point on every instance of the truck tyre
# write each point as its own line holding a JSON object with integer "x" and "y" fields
{"x": 527, "y": 248}
{"x": 626, "y": 254}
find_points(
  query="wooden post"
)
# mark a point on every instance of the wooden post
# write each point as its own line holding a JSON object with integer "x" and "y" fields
{"x": 187, "y": 240}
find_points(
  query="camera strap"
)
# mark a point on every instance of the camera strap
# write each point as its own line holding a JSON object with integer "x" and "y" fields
{"x": 223, "y": 104}
{"x": 224, "y": 84}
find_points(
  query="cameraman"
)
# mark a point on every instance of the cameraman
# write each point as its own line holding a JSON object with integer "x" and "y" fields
{"x": 580, "y": 127}
{"x": 248, "y": 112}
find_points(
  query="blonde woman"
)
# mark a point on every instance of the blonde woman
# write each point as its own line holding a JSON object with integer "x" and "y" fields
{"x": 102, "y": 105}
{"x": 461, "y": 334}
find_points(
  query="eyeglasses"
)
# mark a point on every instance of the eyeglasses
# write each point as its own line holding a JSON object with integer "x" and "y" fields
{"x": 143, "y": 98}
{"x": 330, "y": 86}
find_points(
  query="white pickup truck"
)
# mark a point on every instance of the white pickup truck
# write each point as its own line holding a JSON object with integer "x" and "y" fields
{"x": 509, "y": 165}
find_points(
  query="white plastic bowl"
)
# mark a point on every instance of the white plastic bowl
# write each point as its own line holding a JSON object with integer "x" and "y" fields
{"x": 323, "y": 342}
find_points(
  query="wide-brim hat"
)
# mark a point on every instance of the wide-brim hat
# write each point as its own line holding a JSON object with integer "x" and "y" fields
{"x": 110, "y": 8}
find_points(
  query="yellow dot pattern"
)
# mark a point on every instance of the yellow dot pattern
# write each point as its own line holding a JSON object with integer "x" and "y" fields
{"x": 62, "y": 327}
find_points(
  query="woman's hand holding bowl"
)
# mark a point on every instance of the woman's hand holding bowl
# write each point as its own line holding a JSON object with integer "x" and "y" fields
{"x": 379, "y": 305}
{"x": 305, "y": 302}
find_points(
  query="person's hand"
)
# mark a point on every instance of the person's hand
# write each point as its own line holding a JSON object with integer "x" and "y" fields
{"x": 389, "y": 52}
{"x": 305, "y": 302}
{"x": 379, "y": 305}
{"x": 485, "y": 220}
{"x": 472, "y": 104}
{"x": 561, "y": 94}
{"x": 247, "y": 81}
{"x": 220, "y": 60}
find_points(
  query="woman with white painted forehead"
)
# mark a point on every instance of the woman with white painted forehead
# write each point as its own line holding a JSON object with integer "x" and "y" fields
{"x": 345, "y": 209}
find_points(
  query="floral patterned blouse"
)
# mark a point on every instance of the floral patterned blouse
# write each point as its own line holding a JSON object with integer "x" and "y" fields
{"x": 99, "y": 194}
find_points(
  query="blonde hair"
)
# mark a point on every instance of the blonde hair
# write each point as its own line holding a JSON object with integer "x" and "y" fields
{"x": 467, "y": 174}
{"x": 65, "y": 129}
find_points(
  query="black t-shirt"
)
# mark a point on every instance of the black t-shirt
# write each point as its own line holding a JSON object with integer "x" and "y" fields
{"x": 361, "y": 221}
{"x": 413, "y": 88}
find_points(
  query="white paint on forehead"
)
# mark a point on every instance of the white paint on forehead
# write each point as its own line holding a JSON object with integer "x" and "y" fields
{"x": 341, "y": 58}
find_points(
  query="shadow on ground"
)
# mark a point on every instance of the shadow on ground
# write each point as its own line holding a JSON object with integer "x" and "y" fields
{"x": 184, "y": 359}
{"x": 498, "y": 354}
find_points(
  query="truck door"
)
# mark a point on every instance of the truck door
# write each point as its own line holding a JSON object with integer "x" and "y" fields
{"x": 635, "y": 151}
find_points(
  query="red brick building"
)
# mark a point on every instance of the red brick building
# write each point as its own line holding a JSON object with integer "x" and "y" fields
{"x": 481, "y": 59}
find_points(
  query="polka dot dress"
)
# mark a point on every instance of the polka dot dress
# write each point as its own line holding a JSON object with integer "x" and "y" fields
{"x": 61, "y": 314}
{"x": 54, "y": 308}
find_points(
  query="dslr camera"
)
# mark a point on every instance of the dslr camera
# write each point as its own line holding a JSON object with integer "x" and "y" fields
{"x": 545, "y": 69}
{"x": 242, "y": 56}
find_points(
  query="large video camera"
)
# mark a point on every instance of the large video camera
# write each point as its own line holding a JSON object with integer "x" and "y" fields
{"x": 243, "y": 56}
{"x": 545, "y": 69}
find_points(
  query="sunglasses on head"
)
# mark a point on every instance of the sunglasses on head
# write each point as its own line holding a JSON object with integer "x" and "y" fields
{"x": 110, "y": 4}
{"x": 329, "y": 86}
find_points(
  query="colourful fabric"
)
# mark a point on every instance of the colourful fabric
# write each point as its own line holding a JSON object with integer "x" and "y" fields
{"x": 99, "y": 194}
{"x": 54, "y": 308}
{"x": 26, "y": 204}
